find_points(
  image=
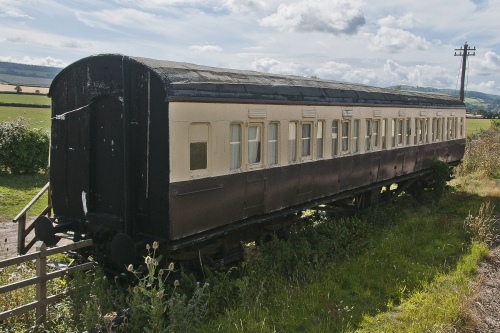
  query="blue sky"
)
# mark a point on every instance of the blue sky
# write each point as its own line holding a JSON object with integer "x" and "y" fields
{"x": 380, "y": 43}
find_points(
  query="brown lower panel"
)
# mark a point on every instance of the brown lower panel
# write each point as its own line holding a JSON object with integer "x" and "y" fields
{"x": 204, "y": 204}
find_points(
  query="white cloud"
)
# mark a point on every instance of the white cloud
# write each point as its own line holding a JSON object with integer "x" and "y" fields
{"x": 488, "y": 87}
{"x": 239, "y": 6}
{"x": 331, "y": 16}
{"x": 118, "y": 18}
{"x": 488, "y": 65}
{"x": 75, "y": 44}
{"x": 329, "y": 70}
{"x": 344, "y": 72}
{"x": 417, "y": 75}
{"x": 47, "y": 61}
{"x": 14, "y": 14}
{"x": 404, "y": 22}
{"x": 392, "y": 40}
{"x": 269, "y": 65}
{"x": 205, "y": 48}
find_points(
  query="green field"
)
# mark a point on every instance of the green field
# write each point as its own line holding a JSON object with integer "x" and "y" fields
{"x": 475, "y": 125}
{"x": 24, "y": 99}
{"x": 34, "y": 117}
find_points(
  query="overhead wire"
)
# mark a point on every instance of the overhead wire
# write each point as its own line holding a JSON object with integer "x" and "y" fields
{"x": 61, "y": 116}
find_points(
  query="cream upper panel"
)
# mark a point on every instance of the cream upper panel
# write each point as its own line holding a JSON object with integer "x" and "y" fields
{"x": 190, "y": 123}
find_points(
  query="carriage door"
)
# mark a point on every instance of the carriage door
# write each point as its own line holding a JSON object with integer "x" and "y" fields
{"x": 106, "y": 184}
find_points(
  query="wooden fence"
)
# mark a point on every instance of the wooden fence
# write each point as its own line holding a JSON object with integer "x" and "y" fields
{"x": 41, "y": 278}
{"x": 22, "y": 231}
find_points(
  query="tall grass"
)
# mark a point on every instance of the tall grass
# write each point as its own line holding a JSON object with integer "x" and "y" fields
{"x": 338, "y": 272}
{"x": 482, "y": 155}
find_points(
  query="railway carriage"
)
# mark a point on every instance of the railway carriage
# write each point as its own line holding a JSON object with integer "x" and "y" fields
{"x": 201, "y": 158}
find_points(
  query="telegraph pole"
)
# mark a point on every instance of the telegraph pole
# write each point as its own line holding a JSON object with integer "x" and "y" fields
{"x": 464, "y": 52}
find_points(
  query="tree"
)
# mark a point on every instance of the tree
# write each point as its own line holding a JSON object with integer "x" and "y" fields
{"x": 18, "y": 89}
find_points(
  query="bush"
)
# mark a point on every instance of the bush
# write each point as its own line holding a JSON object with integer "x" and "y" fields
{"x": 482, "y": 154}
{"x": 495, "y": 123}
{"x": 23, "y": 150}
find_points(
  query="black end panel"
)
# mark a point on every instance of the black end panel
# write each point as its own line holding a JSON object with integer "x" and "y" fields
{"x": 158, "y": 164}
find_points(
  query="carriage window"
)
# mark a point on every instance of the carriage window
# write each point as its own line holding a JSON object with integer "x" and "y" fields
{"x": 198, "y": 147}
{"x": 416, "y": 131}
{"x": 375, "y": 131}
{"x": 408, "y": 131}
{"x": 345, "y": 136}
{"x": 319, "y": 139}
{"x": 335, "y": 137}
{"x": 384, "y": 133}
{"x": 355, "y": 137}
{"x": 235, "y": 146}
{"x": 254, "y": 139}
{"x": 400, "y": 131}
{"x": 393, "y": 133}
{"x": 426, "y": 130}
{"x": 450, "y": 128}
{"x": 434, "y": 130}
{"x": 438, "y": 130}
{"x": 306, "y": 139}
{"x": 461, "y": 127}
{"x": 272, "y": 144}
{"x": 368, "y": 135}
{"x": 292, "y": 142}
{"x": 420, "y": 131}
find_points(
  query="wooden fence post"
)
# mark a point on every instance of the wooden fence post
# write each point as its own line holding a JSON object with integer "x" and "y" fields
{"x": 21, "y": 227}
{"x": 41, "y": 288}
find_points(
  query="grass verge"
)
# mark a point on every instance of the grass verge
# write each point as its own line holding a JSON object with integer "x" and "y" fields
{"x": 434, "y": 308}
{"x": 25, "y": 99}
{"x": 17, "y": 191}
{"x": 473, "y": 126}
{"x": 34, "y": 117}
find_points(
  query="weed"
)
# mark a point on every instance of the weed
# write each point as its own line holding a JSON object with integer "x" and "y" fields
{"x": 482, "y": 226}
{"x": 156, "y": 306}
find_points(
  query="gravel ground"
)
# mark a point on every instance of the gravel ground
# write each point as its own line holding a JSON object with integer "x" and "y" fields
{"x": 8, "y": 239}
{"x": 482, "y": 311}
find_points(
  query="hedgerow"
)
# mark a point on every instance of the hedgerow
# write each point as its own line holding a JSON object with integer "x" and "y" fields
{"x": 23, "y": 150}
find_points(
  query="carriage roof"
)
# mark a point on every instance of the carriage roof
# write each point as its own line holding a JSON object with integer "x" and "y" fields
{"x": 184, "y": 81}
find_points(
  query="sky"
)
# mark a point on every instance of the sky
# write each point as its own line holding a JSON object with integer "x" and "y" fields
{"x": 379, "y": 42}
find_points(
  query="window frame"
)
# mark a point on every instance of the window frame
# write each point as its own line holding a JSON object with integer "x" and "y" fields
{"x": 368, "y": 135}
{"x": 320, "y": 141}
{"x": 293, "y": 158}
{"x": 259, "y": 162}
{"x": 193, "y": 138}
{"x": 375, "y": 134}
{"x": 240, "y": 143}
{"x": 276, "y": 142}
{"x": 355, "y": 136}
{"x": 345, "y": 147}
{"x": 335, "y": 140}
{"x": 309, "y": 140}
{"x": 400, "y": 132}
{"x": 408, "y": 131}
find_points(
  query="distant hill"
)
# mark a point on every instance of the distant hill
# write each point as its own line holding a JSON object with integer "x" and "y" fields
{"x": 476, "y": 102}
{"x": 27, "y": 75}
